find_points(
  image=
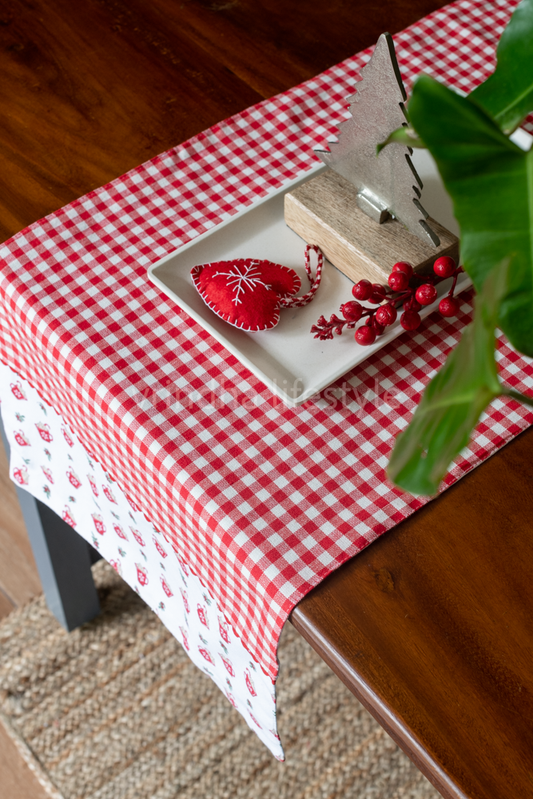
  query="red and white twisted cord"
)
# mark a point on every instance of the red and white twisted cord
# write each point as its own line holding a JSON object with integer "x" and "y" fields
{"x": 299, "y": 302}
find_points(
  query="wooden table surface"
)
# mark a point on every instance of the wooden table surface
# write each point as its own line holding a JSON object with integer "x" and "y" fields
{"x": 431, "y": 626}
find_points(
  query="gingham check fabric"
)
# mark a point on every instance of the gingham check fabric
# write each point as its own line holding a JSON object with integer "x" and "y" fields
{"x": 263, "y": 501}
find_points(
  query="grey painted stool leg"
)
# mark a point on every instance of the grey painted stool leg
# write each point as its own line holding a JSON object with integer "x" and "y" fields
{"x": 63, "y": 560}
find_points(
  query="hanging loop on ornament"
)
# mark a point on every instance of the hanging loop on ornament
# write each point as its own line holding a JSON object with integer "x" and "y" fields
{"x": 299, "y": 302}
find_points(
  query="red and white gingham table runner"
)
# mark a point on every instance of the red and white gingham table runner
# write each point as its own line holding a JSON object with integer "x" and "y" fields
{"x": 263, "y": 501}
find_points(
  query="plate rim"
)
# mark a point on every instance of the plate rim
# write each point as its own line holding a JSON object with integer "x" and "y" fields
{"x": 463, "y": 283}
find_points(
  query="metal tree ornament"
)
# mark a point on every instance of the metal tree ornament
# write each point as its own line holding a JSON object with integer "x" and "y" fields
{"x": 365, "y": 210}
{"x": 387, "y": 184}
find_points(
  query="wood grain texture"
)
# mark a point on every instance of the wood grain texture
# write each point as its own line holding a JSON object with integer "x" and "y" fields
{"x": 92, "y": 89}
{"x": 17, "y": 780}
{"x": 324, "y": 211}
{"x": 6, "y": 605}
{"x": 19, "y": 580}
{"x": 431, "y": 628}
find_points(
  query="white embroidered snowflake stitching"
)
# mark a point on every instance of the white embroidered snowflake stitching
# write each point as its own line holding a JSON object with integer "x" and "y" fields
{"x": 239, "y": 282}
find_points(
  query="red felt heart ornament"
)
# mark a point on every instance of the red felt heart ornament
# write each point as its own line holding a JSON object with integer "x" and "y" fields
{"x": 248, "y": 293}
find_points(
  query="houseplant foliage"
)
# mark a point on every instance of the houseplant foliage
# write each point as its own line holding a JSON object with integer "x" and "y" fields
{"x": 490, "y": 181}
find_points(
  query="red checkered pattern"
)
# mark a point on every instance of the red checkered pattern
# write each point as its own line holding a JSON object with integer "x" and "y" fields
{"x": 263, "y": 501}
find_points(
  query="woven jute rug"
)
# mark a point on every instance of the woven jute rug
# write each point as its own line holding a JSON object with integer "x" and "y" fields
{"x": 115, "y": 710}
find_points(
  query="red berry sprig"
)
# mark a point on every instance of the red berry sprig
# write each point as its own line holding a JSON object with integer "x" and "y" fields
{"x": 401, "y": 291}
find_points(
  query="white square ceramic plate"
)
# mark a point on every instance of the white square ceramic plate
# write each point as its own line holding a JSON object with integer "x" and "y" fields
{"x": 288, "y": 359}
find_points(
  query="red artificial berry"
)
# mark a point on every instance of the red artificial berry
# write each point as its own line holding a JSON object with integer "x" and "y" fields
{"x": 410, "y": 320}
{"x": 351, "y": 311}
{"x": 362, "y": 290}
{"x": 411, "y": 304}
{"x": 403, "y": 266}
{"x": 378, "y": 294}
{"x": 449, "y": 306}
{"x": 386, "y": 315}
{"x": 444, "y": 266}
{"x": 426, "y": 294}
{"x": 377, "y": 326}
{"x": 365, "y": 335}
{"x": 398, "y": 281}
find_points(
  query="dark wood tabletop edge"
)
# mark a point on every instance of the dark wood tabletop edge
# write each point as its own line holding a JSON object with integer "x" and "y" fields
{"x": 377, "y": 707}
{"x": 81, "y": 109}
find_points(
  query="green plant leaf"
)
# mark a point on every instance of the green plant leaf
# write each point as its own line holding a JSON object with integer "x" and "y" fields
{"x": 507, "y": 95}
{"x": 404, "y": 135}
{"x": 454, "y": 400}
{"x": 490, "y": 181}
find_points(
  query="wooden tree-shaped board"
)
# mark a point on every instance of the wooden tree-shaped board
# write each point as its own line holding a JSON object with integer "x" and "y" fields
{"x": 365, "y": 212}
